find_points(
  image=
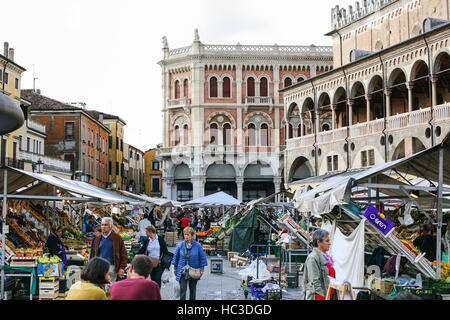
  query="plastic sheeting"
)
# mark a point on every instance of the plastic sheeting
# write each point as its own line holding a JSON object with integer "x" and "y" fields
{"x": 243, "y": 233}
{"x": 348, "y": 255}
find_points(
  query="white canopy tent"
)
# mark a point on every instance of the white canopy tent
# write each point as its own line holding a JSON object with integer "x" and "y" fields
{"x": 217, "y": 199}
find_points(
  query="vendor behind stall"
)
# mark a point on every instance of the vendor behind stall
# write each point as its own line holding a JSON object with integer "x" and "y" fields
{"x": 88, "y": 226}
{"x": 427, "y": 243}
{"x": 54, "y": 244}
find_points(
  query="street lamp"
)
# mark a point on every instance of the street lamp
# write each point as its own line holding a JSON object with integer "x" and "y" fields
{"x": 39, "y": 166}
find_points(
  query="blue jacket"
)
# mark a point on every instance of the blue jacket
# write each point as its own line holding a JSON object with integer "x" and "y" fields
{"x": 197, "y": 257}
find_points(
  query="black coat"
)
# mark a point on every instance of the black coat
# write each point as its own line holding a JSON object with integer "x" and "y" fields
{"x": 162, "y": 246}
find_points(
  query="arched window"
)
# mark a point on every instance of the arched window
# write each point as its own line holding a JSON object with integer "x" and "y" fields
{"x": 251, "y": 87}
{"x": 264, "y": 135}
{"x": 177, "y": 135}
{"x": 299, "y": 129}
{"x": 300, "y": 79}
{"x": 263, "y": 88}
{"x": 251, "y": 135}
{"x": 291, "y": 131}
{"x": 186, "y": 88}
{"x": 226, "y": 134}
{"x": 287, "y": 82}
{"x": 213, "y": 134}
{"x": 226, "y": 87}
{"x": 177, "y": 89}
{"x": 213, "y": 87}
{"x": 186, "y": 134}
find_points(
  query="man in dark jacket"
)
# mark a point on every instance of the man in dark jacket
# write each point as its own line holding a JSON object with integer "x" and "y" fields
{"x": 110, "y": 246}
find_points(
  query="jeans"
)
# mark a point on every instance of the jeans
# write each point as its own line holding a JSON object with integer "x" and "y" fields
{"x": 157, "y": 274}
{"x": 192, "y": 288}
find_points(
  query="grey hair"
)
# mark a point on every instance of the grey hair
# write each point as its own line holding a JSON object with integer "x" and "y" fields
{"x": 319, "y": 235}
{"x": 111, "y": 221}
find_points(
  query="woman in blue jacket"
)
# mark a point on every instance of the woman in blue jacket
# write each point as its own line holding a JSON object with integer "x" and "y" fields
{"x": 189, "y": 253}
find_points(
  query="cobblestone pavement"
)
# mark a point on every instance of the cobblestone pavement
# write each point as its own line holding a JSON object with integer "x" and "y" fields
{"x": 221, "y": 286}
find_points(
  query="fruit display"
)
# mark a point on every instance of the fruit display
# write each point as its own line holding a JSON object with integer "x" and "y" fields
{"x": 445, "y": 271}
{"x": 45, "y": 259}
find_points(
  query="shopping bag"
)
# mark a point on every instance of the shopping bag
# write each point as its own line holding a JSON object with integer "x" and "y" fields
{"x": 176, "y": 290}
{"x": 165, "y": 276}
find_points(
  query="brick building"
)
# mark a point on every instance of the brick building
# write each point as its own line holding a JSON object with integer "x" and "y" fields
{"x": 72, "y": 135}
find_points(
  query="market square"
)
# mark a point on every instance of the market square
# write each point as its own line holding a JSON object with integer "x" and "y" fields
{"x": 270, "y": 172}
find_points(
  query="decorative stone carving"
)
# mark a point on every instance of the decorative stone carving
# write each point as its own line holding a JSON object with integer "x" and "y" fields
{"x": 165, "y": 43}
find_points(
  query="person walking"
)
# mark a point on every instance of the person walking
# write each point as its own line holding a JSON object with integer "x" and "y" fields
{"x": 137, "y": 286}
{"x": 54, "y": 244}
{"x": 94, "y": 276}
{"x": 188, "y": 254}
{"x": 168, "y": 225}
{"x": 88, "y": 226}
{"x": 155, "y": 247}
{"x": 97, "y": 233}
{"x": 315, "y": 275}
{"x": 144, "y": 223}
{"x": 110, "y": 246}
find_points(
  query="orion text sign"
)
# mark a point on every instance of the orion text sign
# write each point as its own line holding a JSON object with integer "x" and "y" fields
{"x": 373, "y": 215}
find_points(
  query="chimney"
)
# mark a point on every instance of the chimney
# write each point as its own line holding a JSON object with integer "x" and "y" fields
{"x": 100, "y": 117}
{"x": 11, "y": 54}
{"x": 38, "y": 91}
{"x": 5, "y": 49}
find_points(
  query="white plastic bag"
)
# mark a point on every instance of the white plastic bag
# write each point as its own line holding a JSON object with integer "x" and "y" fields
{"x": 176, "y": 290}
{"x": 257, "y": 271}
{"x": 165, "y": 276}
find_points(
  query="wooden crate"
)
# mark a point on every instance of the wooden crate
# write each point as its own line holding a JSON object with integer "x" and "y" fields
{"x": 48, "y": 283}
{"x": 48, "y": 294}
{"x": 231, "y": 254}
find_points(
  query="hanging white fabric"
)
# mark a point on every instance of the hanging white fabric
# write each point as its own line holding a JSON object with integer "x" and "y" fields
{"x": 348, "y": 256}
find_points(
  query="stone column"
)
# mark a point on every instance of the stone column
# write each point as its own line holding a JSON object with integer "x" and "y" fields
{"x": 410, "y": 86}
{"x": 388, "y": 93}
{"x": 301, "y": 125}
{"x": 333, "y": 117}
{"x": 277, "y": 183}
{"x": 240, "y": 188}
{"x": 350, "y": 111}
{"x": 198, "y": 186}
{"x": 368, "y": 99}
{"x": 434, "y": 79}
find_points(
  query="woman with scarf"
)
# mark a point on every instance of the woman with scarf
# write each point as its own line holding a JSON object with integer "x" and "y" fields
{"x": 55, "y": 246}
{"x": 317, "y": 265}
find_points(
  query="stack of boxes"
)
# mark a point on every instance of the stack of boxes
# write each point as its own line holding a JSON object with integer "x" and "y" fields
{"x": 50, "y": 275}
{"x": 236, "y": 260}
{"x": 171, "y": 238}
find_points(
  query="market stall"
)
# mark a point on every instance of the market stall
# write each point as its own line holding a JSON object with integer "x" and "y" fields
{"x": 391, "y": 205}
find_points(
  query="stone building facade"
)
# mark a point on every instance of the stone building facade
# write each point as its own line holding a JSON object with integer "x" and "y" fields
{"x": 384, "y": 102}
{"x": 224, "y": 126}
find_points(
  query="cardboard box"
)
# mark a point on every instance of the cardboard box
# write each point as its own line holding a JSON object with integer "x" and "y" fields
{"x": 50, "y": 269}
{"x": 231, "y": 254}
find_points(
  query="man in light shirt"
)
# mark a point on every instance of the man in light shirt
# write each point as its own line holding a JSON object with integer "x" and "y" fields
{"x": 143, "y": 224}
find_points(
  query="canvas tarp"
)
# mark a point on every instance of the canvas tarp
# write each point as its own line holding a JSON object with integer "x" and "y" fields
{"x": 243, "y": 233}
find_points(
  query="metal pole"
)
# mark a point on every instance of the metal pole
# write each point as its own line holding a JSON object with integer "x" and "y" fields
{"x": 439, "y": 213}
{"x": 5, "y": 193}
{"x": 307, "y": 232}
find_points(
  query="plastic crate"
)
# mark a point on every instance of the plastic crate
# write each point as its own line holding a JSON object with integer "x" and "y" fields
{"x": 257, "y": 292}
{"x": 292, "y": 279}
{"x": 273, "y": 294}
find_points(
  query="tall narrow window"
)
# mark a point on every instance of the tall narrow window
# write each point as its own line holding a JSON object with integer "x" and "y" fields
{"x": 176, "y": 135}
{"x": 69, "y": 131}
{"x": 291, "y": 131}
{"x": 251, "y": 87}
{"x": 371, "y": 157}
{"x": 226, "y": 87}
{"x": 263, "y": 88}
{"x": 363, "y": 159}
{"x": 329, "y": 163}
{"x": 251, "y": 135}
{"x": 213, "y": 87}
{"x": 213, "y": 134}
{"x": 264, "y": 135}
{"x": 186, "y": 88}
{"x": 287, "y": 82}
{"x": 227, "y": 134}
{"x": 335, "y": 163}
{"x": 177, "y": 89}
{"x": 299, "y": 131}
{"x": 185, "y": 134}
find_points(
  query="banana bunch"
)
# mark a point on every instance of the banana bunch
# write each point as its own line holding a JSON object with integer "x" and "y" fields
{"x": 45, "y": 259}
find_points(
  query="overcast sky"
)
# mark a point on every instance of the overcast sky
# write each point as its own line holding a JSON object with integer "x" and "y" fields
{"x": 105, "y": 52}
